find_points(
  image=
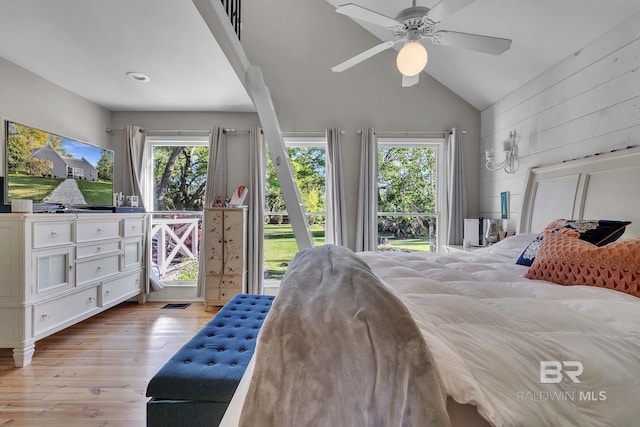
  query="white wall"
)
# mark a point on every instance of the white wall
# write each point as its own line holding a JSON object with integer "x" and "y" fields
{"x": 587, "y": 104}
{"x": 31, "y": 100}
{"x": 295, "y": 43}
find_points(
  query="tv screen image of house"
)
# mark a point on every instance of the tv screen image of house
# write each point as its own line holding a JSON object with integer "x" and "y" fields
{"x": 49, "y": 168}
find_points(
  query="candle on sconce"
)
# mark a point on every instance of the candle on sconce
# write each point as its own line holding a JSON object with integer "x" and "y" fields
{"x": 508, "y": 145}
{"x": 489, "y": 154}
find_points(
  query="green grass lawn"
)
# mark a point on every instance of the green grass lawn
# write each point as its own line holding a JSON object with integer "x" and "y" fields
{"x": 37, "y": 188}
{"x": 31, "y": 187}
{"x": 96, "y": 192}
{"x": 280, "y": 247}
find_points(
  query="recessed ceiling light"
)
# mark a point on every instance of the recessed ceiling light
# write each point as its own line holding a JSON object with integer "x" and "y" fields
{"x": 139, "y": 77}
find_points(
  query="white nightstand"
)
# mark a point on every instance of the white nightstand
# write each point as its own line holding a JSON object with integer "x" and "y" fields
{"x": 460, "y": 248}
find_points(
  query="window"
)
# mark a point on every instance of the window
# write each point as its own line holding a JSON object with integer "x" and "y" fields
{"x": 409, "y": 196}
{"x": 177, "y": 199}
{"x": 307, "y": 157}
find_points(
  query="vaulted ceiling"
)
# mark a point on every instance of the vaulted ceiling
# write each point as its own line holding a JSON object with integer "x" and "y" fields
{"x": 87, "y": 46}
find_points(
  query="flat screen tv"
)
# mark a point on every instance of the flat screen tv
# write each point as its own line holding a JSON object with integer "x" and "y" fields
{"x": 50, "y": 169}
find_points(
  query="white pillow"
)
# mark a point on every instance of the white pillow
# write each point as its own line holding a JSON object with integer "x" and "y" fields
{"x": 512, "y": 246}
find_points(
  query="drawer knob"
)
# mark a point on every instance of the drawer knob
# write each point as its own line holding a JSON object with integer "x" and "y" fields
{"x": 91, "y": 299}
{"x": 99, "y": 268}
{"x": 45, "y": 317}
{"x": 54, "y": 234}
{"x": 100, "y": 230}
{"x": 107, "y": 292}
{"x": 99, "y": 249}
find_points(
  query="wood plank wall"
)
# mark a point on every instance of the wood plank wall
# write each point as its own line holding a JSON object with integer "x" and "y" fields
{"x": 588, "y": 103}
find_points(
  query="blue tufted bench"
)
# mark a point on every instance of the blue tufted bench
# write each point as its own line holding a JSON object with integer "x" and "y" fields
{"x": 196, "y": 385}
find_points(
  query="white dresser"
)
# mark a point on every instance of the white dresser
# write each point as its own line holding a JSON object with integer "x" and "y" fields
{"x": 58, "y": 269}
{"x": 225, "y": 247}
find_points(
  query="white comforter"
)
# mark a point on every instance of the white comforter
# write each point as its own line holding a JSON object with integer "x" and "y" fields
{"x": 489, "y": 329}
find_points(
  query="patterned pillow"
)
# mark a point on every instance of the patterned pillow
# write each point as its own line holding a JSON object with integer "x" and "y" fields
{"x": 569, "y": 261}
{"x": 598, "y": 232}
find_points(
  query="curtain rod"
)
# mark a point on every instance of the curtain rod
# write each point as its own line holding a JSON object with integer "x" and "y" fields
{"x": 178, "y": 131}
{"x": 443, "y": 132}
{"x": 110, "y": 131}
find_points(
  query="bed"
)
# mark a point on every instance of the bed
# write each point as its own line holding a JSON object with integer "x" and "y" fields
{"x": 467, "y": 339}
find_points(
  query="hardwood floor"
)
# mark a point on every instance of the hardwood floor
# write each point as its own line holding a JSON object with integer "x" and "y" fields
{"x": 95, "y": 373}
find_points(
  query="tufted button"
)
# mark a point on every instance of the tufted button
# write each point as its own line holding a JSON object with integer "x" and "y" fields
{"x": 234, "y": 363}
{"x": 200, "y": 347}
{"x": 212, "y": 363}
{"x": 186, "y": 362}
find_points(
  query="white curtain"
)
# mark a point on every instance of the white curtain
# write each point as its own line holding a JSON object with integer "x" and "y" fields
{"x": 336, "y": 226}
{"x": 135, "y": 165}
{"x": 136, "y": 172}
{"x": 367, "y": 221}
{"x": 255, "y": 238}
{"x": 216, "y": 182}
{"x": 456, "y": 189}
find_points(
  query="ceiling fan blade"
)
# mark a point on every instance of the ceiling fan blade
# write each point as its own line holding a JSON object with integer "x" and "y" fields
{"x": 447, "y": 8}
{"x": 363, "y": 14}
{"x": 408, "y": 81}
{"x": 486, "y": 44}
{"x": 362, "y": 56}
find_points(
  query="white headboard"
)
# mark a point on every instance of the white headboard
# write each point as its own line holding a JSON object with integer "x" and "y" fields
{"x": 604, "y": 186}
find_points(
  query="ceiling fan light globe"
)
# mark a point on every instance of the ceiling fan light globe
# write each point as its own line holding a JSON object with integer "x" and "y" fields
{"x": 412, "y": 58}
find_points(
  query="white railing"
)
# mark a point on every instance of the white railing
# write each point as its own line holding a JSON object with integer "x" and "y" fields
{"x": 175, "y": 238}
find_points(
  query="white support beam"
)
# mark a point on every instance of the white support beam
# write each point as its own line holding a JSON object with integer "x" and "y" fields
{"x": 273, "y": 135}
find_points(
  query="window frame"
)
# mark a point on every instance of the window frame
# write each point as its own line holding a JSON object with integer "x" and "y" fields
{"x": 166, "y": 140}
{"x": 440, "y": 200}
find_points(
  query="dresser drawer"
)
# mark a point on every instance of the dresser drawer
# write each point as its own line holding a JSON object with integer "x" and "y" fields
{"x": 133, "y": 227}
{"x": 227, "y": 293}
{"x": 88, "y": 231}
{"x": 93, "y": 269}
{"x": 83, "y": 251}
{"x": 123, "y": 287}
{"x": 52, "y": 314}
{"x": 211, "y": 294}
{"x": 47, "y": 234}
{"x": 231, "y": 281}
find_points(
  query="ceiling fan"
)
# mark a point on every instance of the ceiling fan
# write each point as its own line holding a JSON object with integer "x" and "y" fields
{"x": 412, "y": 25}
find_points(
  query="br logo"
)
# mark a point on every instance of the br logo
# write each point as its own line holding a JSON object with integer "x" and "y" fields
{"x": 553, "y": 371}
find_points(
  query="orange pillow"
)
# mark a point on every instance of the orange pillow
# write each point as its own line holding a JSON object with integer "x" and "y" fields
{"x": 570, "y": 261}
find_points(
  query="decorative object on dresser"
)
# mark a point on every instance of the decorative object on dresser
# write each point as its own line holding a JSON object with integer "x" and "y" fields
{"x": 225, "y": 262}
{"x": 60, "y": 269}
